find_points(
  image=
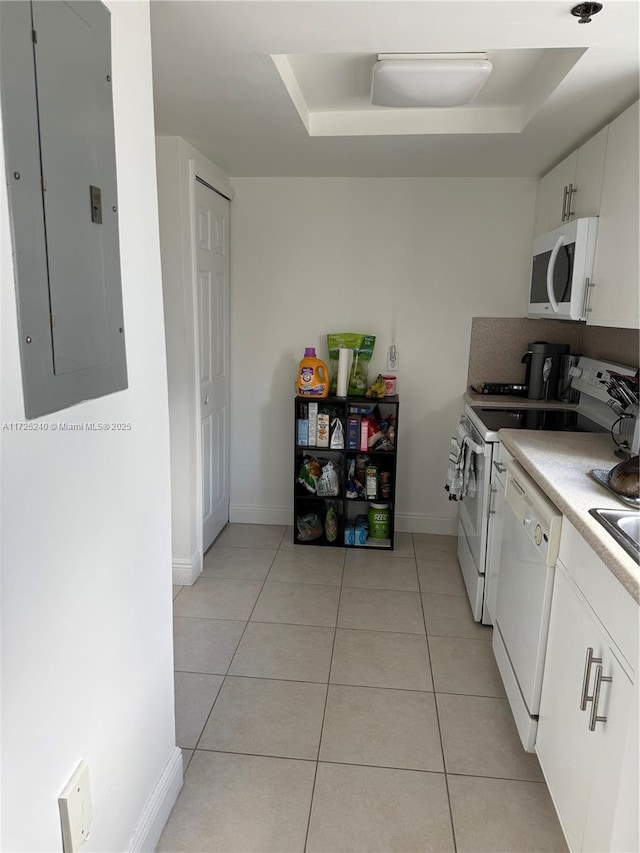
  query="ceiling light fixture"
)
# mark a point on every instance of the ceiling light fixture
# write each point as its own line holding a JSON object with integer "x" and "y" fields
{"x": 583, "y": 11}
{"x": 428, "y": 79}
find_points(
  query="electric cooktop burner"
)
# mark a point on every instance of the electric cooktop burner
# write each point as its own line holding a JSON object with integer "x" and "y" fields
{"x": 555, "y": 420}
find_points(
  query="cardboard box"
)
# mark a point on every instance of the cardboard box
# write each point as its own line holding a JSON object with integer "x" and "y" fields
{"x": 371, "y": 482}
{"x": 361, "y": 529}
{"x": 303, "y": 432}
{"x": 353, "y": 432}
{"x": 364, "y": 435}
{"x": 323, "y": 430}
{"x": 349, "y": 533}
{"x": 313, "y": 424}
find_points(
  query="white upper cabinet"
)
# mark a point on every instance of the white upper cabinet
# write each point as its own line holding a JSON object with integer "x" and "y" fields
{"x": 574, "y": 187}
{"x": 614, "y": 298}
{"x": 589, "y": 175}
{"x": 551, "y": 202}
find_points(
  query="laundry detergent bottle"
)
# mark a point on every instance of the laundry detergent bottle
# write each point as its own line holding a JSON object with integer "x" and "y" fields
{"x": 313, "y": 376}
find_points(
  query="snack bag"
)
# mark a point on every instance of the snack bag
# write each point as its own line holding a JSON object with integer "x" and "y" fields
{"x": 328, "y": 485}
{"x": 309, "y": 527}
{"x": 331, "y": 524}
{"x": 309, "y": 474}
{"x": 362, "y": 346}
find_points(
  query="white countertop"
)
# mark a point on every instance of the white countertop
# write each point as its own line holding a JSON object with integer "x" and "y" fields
{"x": 560, "y": 462}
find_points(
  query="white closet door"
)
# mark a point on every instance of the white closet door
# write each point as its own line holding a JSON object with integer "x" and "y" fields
{"x": 212, "y": 271}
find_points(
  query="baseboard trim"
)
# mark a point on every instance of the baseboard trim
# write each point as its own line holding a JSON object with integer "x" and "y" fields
{"x": 261, "y": 515}
{"x": 408, "y": 522}
{"x": 187, "y": 572}
{"x": 158, "y": 807}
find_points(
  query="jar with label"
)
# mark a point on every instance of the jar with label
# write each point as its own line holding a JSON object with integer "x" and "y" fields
{"x": 384, "y": 484}
{"x": 379, "y": 521}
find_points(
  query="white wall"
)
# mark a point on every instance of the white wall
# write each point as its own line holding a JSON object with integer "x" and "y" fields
{"x": 177, "y": 165}
{"x": 85, "y": 541}
{"x": 409, "y": 260}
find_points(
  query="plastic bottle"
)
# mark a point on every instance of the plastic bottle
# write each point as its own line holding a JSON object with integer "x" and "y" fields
{"x": 313, "y": 376}
{"x": 379, "y": 521}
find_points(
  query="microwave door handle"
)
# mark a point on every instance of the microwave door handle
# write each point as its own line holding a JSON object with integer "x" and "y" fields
{"x": 550, "y": 271}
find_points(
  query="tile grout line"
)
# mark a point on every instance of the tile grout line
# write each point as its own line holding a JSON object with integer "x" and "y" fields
{"x": 342, "y": 683}
{"x": 343, "y": 627}
{"x": 224, "y": 678}
{"x": 324, "y": 712}
{"x": 246, "y": 624}
{"x": 435, "y": 702}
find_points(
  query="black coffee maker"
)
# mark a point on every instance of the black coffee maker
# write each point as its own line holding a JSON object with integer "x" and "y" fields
{"x": 545, "y": 367}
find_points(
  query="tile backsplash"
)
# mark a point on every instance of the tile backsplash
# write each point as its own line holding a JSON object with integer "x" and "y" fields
{"x": 498, "y": 343}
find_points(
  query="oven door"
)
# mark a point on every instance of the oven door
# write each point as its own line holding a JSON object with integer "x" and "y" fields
{"x": 473, "y": 516}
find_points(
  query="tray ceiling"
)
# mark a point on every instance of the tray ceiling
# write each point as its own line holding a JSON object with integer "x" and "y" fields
{"x": 269, "y": 88}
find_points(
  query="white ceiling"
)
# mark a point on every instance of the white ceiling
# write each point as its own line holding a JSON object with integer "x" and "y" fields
{"x": 217, "y": 83}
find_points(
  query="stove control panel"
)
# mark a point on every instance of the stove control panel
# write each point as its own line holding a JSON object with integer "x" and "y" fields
{"x": 593, "y": 377}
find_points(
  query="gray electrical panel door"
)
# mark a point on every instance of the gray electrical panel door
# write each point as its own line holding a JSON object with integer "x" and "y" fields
{"x": 55, "y": 80}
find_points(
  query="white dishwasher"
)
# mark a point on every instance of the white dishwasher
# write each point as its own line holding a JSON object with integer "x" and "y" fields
{"x": 530, "y": 542}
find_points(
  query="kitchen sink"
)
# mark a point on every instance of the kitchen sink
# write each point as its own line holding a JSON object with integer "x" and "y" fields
{"x": 623, "y": 525}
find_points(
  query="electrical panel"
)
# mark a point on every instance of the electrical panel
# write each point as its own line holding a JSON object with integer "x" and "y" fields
{"x": 55, "y": 83}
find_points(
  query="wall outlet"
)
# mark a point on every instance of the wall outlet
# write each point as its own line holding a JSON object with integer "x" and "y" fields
{"x": 392, "y": 358}
{"x": 76, "y": 811}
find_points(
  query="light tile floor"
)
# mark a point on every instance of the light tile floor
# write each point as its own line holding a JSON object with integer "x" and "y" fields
{"x": 306, "y": 711}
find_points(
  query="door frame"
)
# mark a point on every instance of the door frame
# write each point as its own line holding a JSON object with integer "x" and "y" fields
{"x": 178, "y": 163}
{"x": 197, "y": 171}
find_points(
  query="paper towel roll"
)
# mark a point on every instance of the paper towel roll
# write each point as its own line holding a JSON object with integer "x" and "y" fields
{"x": 344, "y": 359}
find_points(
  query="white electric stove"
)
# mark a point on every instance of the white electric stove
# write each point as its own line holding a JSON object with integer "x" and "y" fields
{"x": 593, "y": 413}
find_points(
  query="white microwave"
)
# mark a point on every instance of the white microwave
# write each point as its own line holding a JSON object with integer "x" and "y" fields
{"x": 562, "y": 271}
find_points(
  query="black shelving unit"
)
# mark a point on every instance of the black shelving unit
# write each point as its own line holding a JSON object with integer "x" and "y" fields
{"x": 347, "y": 508}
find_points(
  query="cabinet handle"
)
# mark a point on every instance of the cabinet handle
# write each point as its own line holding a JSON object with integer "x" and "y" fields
{"x": 585, "y": 298}
{"x": 584, "y": 696}
{"x": 570, "y": 191}
{"x": 517, "y": 486}
{"x": 564, "y": 204}
{"x": 588, "y": 287}
{"x": 493, "y": 491}
{"x": 500, "y": 468}
{"x": 595, "y": 699}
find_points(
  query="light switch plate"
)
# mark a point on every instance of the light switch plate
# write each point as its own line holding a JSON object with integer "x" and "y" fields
{"x": 76, "y": 811}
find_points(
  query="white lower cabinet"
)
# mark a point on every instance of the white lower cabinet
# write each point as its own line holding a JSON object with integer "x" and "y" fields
{"x": 587, "y": 740}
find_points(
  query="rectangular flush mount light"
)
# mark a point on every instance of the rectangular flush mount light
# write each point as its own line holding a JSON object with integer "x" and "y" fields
{"x": 428, "y": 79}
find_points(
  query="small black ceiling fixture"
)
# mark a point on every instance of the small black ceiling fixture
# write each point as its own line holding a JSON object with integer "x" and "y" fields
{"x": 583, "y": 11}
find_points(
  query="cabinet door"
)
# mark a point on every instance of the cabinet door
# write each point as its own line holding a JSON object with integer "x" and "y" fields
{"x": 549, "y": 202}
{"x": 586, "y": 770}
{"x": 614, "y": 300}
{"x": 612, "y": 747}
{"x": 564, "y": 745}
{"x": 589, "y": 175}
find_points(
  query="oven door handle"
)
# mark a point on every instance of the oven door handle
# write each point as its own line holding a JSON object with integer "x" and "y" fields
{"x": 477, "y": 448}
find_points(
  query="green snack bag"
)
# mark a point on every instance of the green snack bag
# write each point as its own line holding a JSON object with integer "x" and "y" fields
{"x": 362, "y": 348}
{"x": 331, "y": 524}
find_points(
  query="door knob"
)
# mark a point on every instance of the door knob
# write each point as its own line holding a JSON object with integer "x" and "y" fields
{"x": 206, "y": 401}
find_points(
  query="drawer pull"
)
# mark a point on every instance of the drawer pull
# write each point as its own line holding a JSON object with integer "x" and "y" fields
{"x": 595, "y": 699}
{"x": 500, "y": 468}
{"x": 584, "y": 697}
